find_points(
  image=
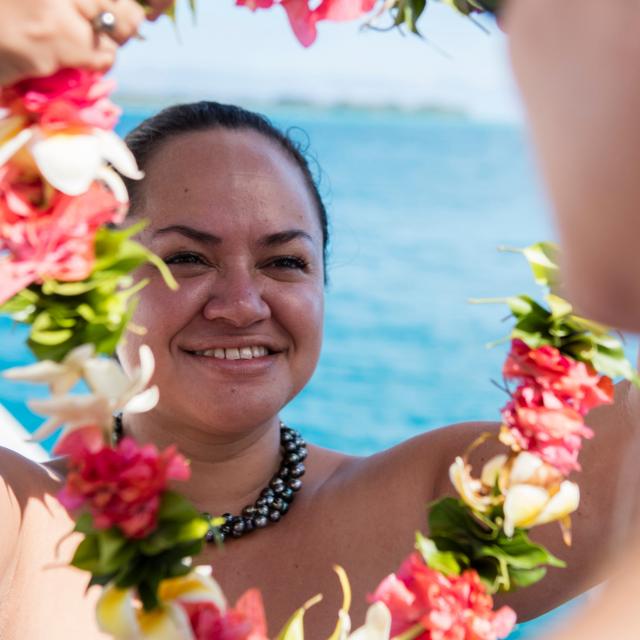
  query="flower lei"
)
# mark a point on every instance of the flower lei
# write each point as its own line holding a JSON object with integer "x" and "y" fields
{"x": 66, "y": 273}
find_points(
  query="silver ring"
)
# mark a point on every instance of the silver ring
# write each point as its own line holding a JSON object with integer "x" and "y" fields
{"x": 104, "y": 22}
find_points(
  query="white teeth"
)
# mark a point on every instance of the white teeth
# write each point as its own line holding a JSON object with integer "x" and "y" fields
{"x": 244, "y": 353}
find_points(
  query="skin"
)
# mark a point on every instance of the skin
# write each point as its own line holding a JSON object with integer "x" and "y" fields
{"x": 575, "y": 64}
{"x": 38, "y": 37}
{"x": 360, "y": 513}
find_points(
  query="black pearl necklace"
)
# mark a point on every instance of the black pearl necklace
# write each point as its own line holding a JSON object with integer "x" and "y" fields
{"x": 274, "y": 500}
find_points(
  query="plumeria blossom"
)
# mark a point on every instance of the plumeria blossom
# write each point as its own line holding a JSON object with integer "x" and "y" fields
{"x": 427, "y": 605}
{"x": 193, "y": 608}
{"x": 534, "y": 496}
{"x": 112, "y": 391}
{"x": 61, "y": 125}
{"x": 530, "y": 491}
{"x": 304, "y": 19}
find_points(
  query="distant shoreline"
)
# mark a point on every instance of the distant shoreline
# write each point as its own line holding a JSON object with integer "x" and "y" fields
{"x": 145, "y": 102}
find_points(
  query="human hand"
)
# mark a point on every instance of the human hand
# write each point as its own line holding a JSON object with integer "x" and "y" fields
{"x": 38, "y": 37}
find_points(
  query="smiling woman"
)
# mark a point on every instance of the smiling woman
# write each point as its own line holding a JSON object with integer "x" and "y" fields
{"x": 233, "y": 212}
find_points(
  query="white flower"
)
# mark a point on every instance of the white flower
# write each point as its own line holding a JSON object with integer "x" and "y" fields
{"x": 119, "y": 614}
{"x": 377, "y": 625}
{"x": 70, "y": 162}
{"x": 112, "y": 392}
{"x": 60, "y": 376}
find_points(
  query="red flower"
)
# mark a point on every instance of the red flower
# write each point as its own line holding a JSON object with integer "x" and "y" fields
{"x": 246, "y": 621}
{"x": 120, "y": 486}
{"x": 576, "y": 384}
{"x": 448, "y": 608}
{"x": 303, "y": 19}
{"x": 46, "y": 234}
{"x": 69, "y": 97}
{"x": 541, "y": 423}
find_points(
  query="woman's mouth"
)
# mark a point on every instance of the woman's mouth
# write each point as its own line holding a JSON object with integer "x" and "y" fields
{"x": 234, "y": 353}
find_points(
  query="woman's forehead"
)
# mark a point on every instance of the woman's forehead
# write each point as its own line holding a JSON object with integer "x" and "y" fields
{"x": 223, "y": 176}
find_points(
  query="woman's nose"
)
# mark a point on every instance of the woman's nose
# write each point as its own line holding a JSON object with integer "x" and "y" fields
{"x": 238, "y": 299}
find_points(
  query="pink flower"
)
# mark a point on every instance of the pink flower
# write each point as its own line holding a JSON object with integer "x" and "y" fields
{"x": 45, "y": 233}
{"x": 542, "y": 424}
{"x": 303, "y": 19}
{"x": 448, "y": 608}
{"x": 246, "y": 621}
{"x": 574, "y": 383}
{"x": 68, "y": 98}
{"x": 120, "y": 486}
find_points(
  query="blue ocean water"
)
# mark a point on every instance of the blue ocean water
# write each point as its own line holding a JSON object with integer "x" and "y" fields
{"x": 418, "y": 204}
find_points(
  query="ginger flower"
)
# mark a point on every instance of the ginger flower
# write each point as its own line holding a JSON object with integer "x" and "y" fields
{"x": 112, "y": 391}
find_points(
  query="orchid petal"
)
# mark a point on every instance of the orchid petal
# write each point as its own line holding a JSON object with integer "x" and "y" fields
{"x": 194, "y": 587}
{"x": 105, "y": 377}
{"x": 525, "y": 466}
{"x": 44, "y": 371}
{"x": 377, "y": 625}
{"x": 114, "y": 183}
{"x": 147, "y": 364}
{"x": 13, "y": 144}
{"x": 564, "y": 502}
{"x": 68, "y": 162}
{"x": 491, "y": 470}
{"x": 115, "y": 151}
{"x": 143, "y": 402}
{"x": 467, "y": 487}
{"x": 116, "y": 614}
{"x": 164, "y": 623}
{"x": 522, "y": 506}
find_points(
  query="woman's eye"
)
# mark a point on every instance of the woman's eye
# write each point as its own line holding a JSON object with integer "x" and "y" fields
{"x": 288, "y": 262}
{"x": 185, "y": 258}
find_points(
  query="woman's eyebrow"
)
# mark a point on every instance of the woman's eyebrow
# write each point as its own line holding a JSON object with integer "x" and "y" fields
{"x": 190, "y": 232}
{"x": 282, "y": 237}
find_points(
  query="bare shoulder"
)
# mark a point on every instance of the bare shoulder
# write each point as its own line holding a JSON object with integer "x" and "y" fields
{"x": 420, "y": 465}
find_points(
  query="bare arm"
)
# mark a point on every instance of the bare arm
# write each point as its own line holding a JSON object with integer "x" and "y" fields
{"x": 576, "y": 63}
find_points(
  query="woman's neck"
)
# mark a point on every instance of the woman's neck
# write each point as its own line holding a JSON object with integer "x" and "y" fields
{"x": 228, "y": 470}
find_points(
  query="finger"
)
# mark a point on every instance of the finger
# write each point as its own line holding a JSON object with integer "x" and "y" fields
{"x": 128, "y": 16}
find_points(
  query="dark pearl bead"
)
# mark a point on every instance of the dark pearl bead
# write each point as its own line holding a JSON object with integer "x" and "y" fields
{"x": 266, "y": 492}
{"x": 286, "y": 494}
{"x": 293, "y": 458}
{"x": 276, "y": 483}
{"x": 262, "y": 510}
{"x": 286, "y": 435}
{"x": 285, "y": 507}
{"x": 238, "y": 528}
{"x": 227, "y": 516}
{"x": 295, "y": 484}
{"x": 290, "y": 446}
{"x": 274, "y": 516}
{"x": 210, "y": 536}
{"x": 249, "y": 511}
{"x": 284, "y": 473}
{"x": 303, "y": 453}
{"x": 278, "y": 503}
{"x": 297, "y": 471}
{"x": 248, "y": 525}
{"x": 300, "y": 442}
{"x": 260, "y": 521}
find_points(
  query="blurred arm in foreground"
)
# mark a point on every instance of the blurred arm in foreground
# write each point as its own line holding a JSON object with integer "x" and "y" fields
{"x": 576, "y": 63}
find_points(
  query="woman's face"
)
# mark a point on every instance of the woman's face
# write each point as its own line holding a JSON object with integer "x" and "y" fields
{"x": 231, "y": 215}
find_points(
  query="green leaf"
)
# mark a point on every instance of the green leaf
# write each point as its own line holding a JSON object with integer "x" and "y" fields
{"x": 176, "y": 508}
{"x": 543, "y": 258}
{"x": 444, "y": 561}
{"x": 87, "y": 555}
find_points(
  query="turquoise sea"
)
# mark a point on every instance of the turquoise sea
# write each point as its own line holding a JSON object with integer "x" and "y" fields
{"x": 419, "y": 204}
